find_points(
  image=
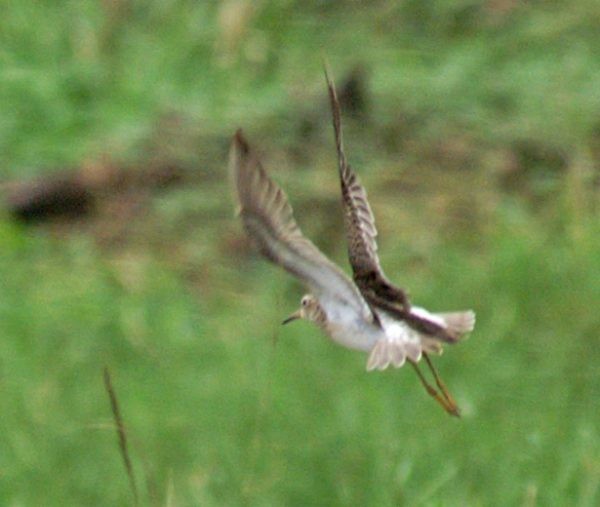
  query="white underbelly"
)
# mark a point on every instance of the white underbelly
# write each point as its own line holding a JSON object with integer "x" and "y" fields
{"x": 360, "y": 335}
{"x": 354, "y": 333}
{"x": 349, "y": 326}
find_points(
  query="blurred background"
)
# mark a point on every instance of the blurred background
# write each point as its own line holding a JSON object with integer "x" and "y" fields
{"x": 475, "y": 127}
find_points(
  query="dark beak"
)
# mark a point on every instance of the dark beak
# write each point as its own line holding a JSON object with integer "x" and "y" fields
{"x": 294, "y": 316}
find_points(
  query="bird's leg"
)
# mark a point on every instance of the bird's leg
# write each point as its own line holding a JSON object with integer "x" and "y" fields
{"x": 442, "y": 387}
{"x": 446, "y": 405}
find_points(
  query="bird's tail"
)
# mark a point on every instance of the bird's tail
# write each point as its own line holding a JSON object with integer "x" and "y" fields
{"x": 458, "y": 323}
{"x": 392, "y": 353}
{"x": 395, "y": 352}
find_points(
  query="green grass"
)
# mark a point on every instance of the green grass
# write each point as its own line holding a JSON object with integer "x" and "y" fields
{"x": 480, "y": 157}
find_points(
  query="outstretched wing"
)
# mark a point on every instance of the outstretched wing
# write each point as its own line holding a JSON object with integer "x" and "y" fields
{"x": 360, "y": 224}
{"x": 268, "y": 219}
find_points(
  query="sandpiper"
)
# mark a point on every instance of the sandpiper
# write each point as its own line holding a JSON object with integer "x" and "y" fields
{"x": 369, "y": 314}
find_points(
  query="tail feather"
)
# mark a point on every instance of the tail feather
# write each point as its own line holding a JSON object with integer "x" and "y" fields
{"x": 384, "y": 353}
{"x": 394, "y": 353}
{"x": 458, "y": 323}
{"x": 414, "y": 351}
{"x": 391, "y": 352}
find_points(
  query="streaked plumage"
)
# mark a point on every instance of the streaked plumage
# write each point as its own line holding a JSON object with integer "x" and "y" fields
{"x": 361, "y": 235}
{"x": 369, "y": 314}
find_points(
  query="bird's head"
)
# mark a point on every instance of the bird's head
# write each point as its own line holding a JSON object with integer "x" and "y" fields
{"x": 309, "y": 310}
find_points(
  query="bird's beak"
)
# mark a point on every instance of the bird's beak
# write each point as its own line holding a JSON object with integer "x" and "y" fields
{"x": 294, "y": 316}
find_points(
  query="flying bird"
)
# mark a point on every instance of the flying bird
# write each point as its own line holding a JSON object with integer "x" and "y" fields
{"x": 366, "y": 313}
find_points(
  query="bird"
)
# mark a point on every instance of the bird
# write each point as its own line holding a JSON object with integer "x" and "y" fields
{"x": 367, "y": 313}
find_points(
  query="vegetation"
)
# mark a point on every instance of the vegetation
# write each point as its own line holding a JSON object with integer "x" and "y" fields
{"x": 478, "y": 142}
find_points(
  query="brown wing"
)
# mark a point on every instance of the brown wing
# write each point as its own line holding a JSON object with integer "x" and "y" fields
{"x": 360, "y": 224}
{"x": 268, "y": 219}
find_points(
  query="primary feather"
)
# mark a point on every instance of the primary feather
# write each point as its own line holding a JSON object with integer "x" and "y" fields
{"x": 269, "y": 220}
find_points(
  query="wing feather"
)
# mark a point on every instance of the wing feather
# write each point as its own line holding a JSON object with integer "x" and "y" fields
{"x": 269, "y": 220}
{"x": 360, "y": 223}
{"x": 361, "y": 232}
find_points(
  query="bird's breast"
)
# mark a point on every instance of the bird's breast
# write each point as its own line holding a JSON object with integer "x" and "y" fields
{"x": 354, "y": 333}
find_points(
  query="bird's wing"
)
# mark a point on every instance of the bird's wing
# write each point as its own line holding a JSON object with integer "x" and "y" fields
{"x": 268, "y": 219}
{"x": 360, "y": 224}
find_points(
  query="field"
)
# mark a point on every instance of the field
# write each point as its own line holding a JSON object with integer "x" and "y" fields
{"x": 475, "y": 127}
